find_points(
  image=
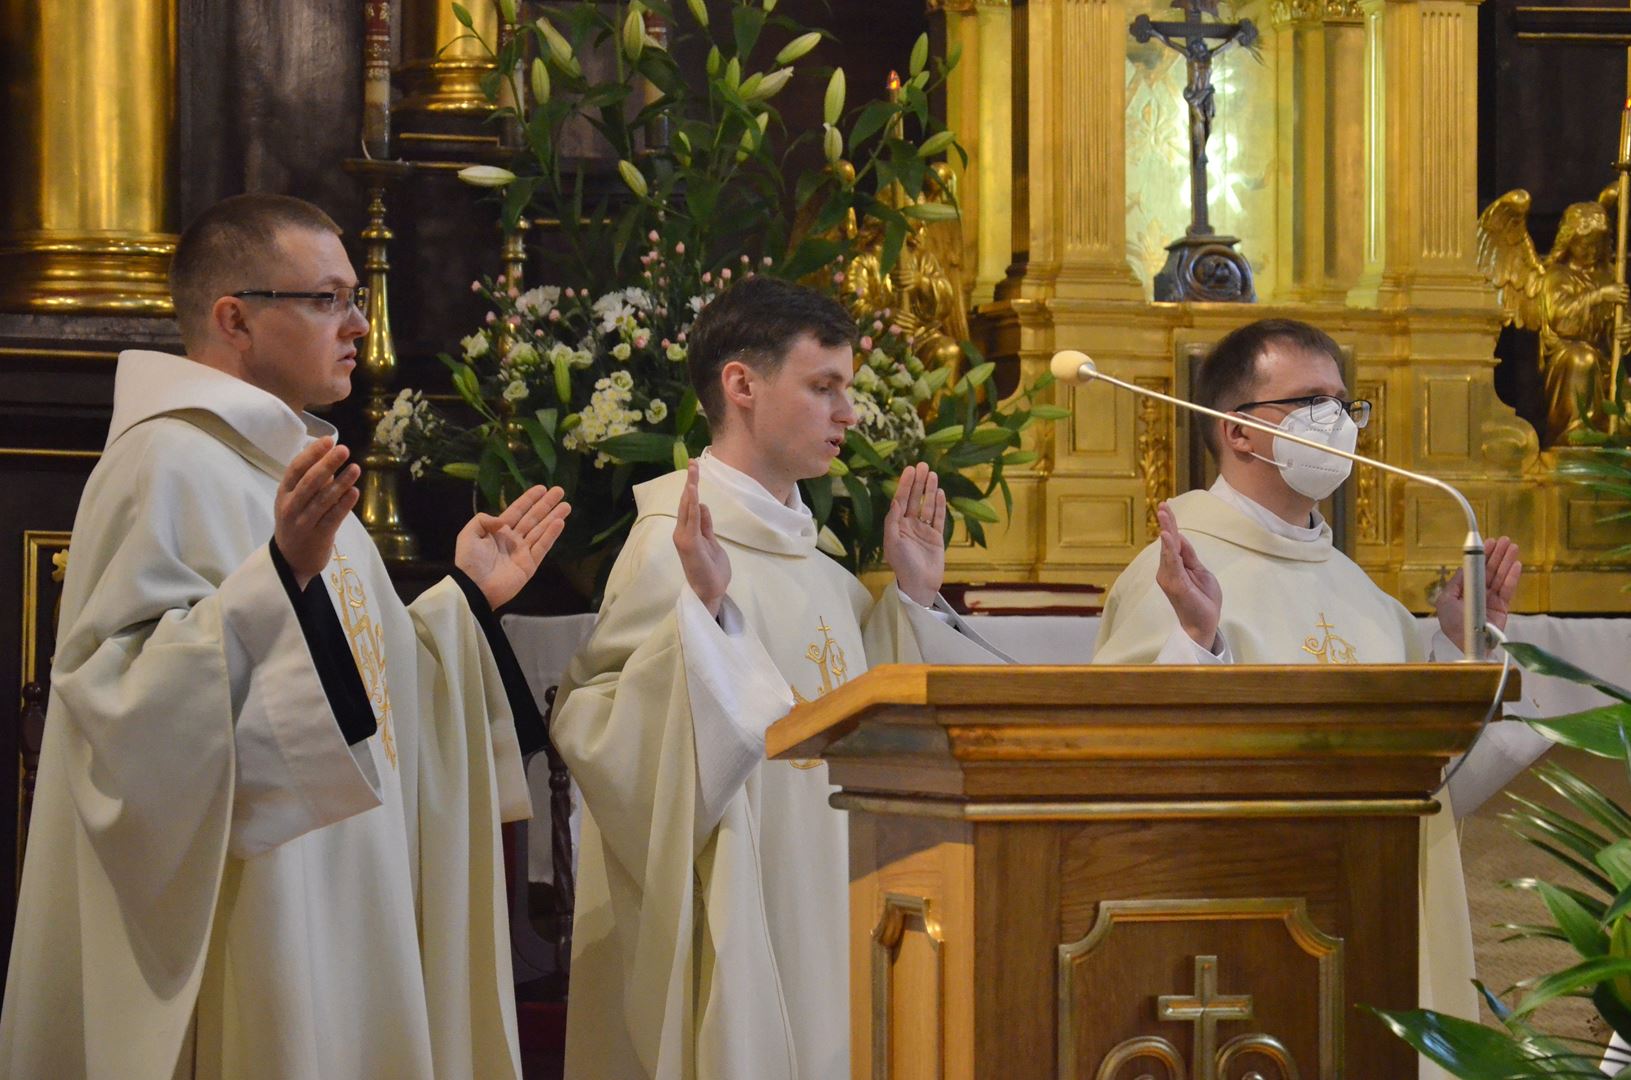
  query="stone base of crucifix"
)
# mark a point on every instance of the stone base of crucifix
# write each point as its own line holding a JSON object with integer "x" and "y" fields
{"x": 1205, "y": 268}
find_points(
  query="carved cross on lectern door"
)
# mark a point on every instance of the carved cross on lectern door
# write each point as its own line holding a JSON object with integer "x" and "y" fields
{"x": 1204, "y": 1008}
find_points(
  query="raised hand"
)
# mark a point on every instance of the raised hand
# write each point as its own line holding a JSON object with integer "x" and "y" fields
{"x": 317, "y": 492}
{"x": 1195, "y": 595}
{"x": 1502, "y": 568}
{"x": 914, "y": 541}
{"x": 706, "y": 564}
{"x": 502, "y": 553}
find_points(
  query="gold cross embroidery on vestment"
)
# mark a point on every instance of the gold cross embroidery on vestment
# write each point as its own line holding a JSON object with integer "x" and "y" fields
{"x": 1330, "y": 649}
{"x": 828, "y": 657}
{"x": 367, "y": 642}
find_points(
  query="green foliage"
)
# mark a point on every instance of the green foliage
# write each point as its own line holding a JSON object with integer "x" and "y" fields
{"x": 585, "y": 386}
{"x": 1593, "y": 839}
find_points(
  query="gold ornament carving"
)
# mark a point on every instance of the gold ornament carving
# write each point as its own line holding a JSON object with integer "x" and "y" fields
{"x": 924, "y": 292}
{"x": 1154, "y": 445}
{"x": 1315, "y": 11}
{"x": 1368, "y": 485}
{"x": 1568, "y": 298}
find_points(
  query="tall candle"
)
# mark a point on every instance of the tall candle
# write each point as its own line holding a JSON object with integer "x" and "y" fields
{"x": 376, "y": 78}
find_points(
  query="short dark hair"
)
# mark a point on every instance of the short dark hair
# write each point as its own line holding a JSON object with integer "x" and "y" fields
{"x": 224, "y": 247}
{"x": 757, "y": 321}
{"x": 1228, "y": 375}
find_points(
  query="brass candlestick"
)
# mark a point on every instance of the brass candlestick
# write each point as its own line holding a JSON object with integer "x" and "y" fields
{"x": 378, "y": 507}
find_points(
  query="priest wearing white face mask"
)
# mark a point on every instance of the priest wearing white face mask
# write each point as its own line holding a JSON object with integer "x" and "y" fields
{"x": 1246, "y": 573}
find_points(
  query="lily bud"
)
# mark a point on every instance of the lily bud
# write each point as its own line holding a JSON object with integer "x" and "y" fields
{"x": 540, "y": 80}
{"x": 937, "y": 142}
{"x": 772, "y": 84}
{"x": 833, "y": 105}
{"x": 682, "y": 457}
{"x": 632, "y": 177}
{"x": 832, "y": 144}
{"x": 733, "y": 74}
{"x": 798, "y": 47}
{"x": 560, "y": 50}
{"x": 563, "y": 381}
{"x": 506, "y": 8}
{"x": 920, "y": 54}
{"x": 634, "y": 33}
{"x": 682, "y": 148}
{"x": 770, "y": 5}
{"x": 699, "y": 11}
{"x": 486, "y": 176}
{"x": 715, "y": 62}
{"x": 750, "y": 86}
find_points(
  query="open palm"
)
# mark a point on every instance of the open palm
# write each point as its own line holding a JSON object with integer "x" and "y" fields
{"x": 1193, "y": 591}
{"x": 500, "y": 554}
{"x": 706, "y": 564}
{"x": 914, "y": 542}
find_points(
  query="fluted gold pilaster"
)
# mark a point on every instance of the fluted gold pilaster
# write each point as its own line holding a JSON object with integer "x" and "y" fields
{"x": 980, "y": 108}
{"x": 1421, "y": 156}
{"x": 1073, "y": 230}
{"x": 88, "y": 216}
{"x": 442, "y": 66}
{"x": 1319, "y": 60}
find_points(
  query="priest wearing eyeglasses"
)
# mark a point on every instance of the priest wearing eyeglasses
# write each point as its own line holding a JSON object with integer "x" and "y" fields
{"x": 266, "y": 836}
{"x": 1246, "y": 572}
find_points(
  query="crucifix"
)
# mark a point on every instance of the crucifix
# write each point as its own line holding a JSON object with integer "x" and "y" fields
{"x": 1201, "y": 265}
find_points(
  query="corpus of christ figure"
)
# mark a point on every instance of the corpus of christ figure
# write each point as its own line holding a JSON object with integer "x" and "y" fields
{"x": 1200, "y": 266}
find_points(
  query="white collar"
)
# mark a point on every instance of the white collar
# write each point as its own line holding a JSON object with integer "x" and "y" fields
{"x": 1267, "y": 518}
{"x": 791, "y": 518}
{"x": 148, "y": 384}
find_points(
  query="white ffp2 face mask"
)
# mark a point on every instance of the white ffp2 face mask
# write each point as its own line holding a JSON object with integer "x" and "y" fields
{"x": 1308, "y": 471}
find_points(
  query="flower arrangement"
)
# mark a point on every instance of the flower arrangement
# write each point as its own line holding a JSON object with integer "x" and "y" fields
{"x": 584, "y": 385}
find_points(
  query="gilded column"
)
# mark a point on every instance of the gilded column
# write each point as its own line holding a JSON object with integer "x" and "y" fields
{"x": 442, "y": 64}
{"x": 1070, "y": 231}
{"x": 1421, "y": 93}
{"x": 88, "y": 220}
{"x": 980, "y": 108}
{"x": 1319, "y": 49}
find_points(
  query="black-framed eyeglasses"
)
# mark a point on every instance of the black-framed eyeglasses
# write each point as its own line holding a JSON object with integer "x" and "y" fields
{"x": 332, "y": 301}
{"x": 1322, "y": 409}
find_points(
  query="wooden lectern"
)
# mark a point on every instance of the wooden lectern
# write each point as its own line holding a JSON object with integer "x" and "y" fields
{"x": 1110, "y": 873}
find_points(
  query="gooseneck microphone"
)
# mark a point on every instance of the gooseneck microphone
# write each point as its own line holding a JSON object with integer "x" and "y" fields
{"x": 1071, "y": 366}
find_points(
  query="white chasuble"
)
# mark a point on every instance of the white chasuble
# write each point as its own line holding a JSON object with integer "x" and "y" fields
{"x": 1290, "y": 597}
{"x": 217, "y": 885}
{"x": 711, "y": 932}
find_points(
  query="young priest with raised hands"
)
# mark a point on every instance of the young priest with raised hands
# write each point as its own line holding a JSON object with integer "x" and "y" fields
{"x": 711, "y": 937}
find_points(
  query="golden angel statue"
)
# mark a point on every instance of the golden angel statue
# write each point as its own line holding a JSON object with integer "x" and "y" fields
{"x": 1568, "y": 298}
{"x": 923, "y": 294}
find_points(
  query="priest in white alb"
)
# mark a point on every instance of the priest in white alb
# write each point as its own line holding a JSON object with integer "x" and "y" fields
{"x": 711, "y": 932}
{"x": 265, "y": 839}
{"x": 1246, "y": 572}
